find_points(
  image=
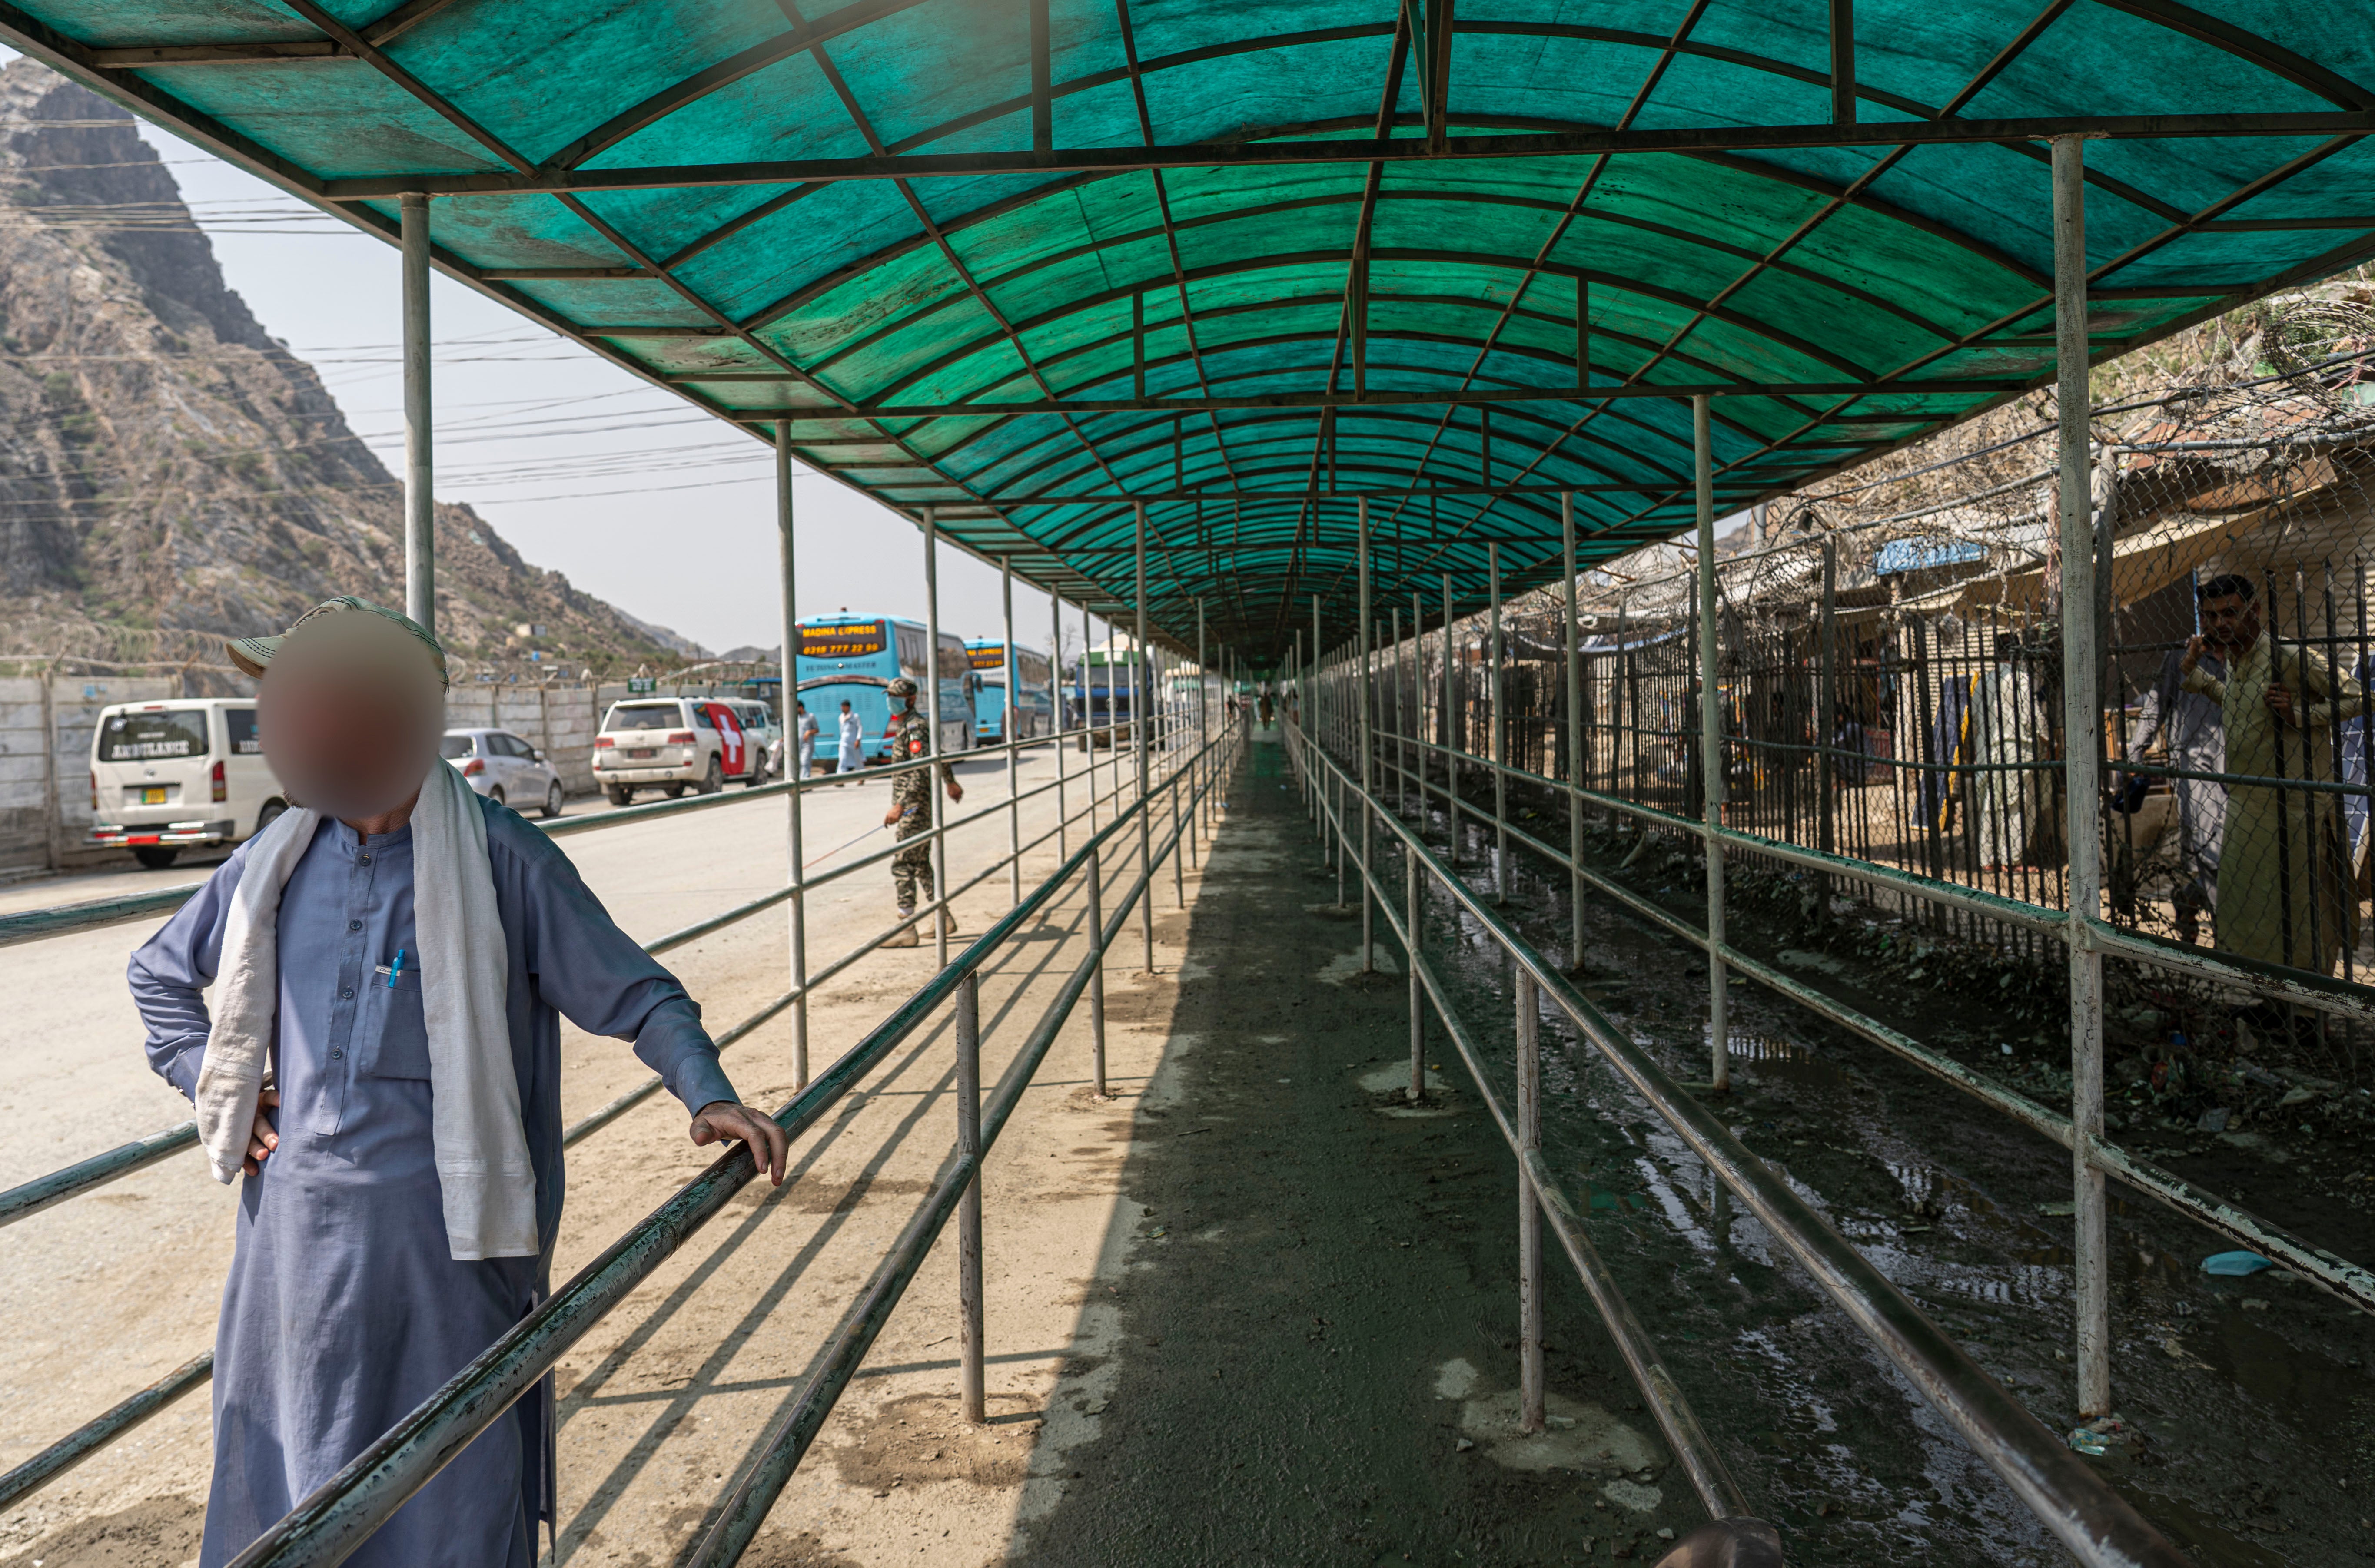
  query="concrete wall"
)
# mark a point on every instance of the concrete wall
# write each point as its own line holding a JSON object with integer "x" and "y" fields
{"x": 557, "y": 720}
{"x": 45, "y": 728}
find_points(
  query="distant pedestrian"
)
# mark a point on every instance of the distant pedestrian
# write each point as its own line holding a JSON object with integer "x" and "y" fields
{"x": 2195, "y": 726}
{"x": 853, "y": 736}
{"x": 807, "y": 730}
{"x": 911, "y": 811}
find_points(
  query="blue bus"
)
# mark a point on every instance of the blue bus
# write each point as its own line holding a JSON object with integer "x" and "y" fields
{"x": 1035, "y": 700}
{"x": 847, "y": 658}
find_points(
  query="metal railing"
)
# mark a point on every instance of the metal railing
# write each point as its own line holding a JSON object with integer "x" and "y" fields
{"x": 2348, "y": 1280}
{"x": 2097, "y": 1526}
{"x": 98, "y": 1169}
{"x": 339, "y": 1515}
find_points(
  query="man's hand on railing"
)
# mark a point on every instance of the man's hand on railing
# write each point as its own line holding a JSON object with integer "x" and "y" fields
{"x": 728, "y": 1118}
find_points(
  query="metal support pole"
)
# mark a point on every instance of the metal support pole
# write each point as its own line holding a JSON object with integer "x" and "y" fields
{"x": 1366, "y": 685}
{"x": 1451, "y": 737}
{"x": 1055, "y": 716}
{"x": 1418, "y": 697}
{"x": 1203, "y": 718}
{"x": 2081, "y": 710}
{"x": 969, "y": 1353}
{"x": 1578, "y": 736}
{"x": 1394, "y": 717}
{"x": 1711, "y": 751}
{"x": 1413, "y": 911}
{"x": 1530, "y": 1210}
{"x": 1827, "y": 720}
{"x": 942, "y": 917}
{"x": 1138, "y": 732}
{"x": 796, "y": 905}
{"x": 1097, "y": 971}
{"x": 1495, "y": 748}
{"x": 1012, "y": 732}
{"x": 1319, "y": 670}
{"x": 1089, "y": 714}
{"x": 419, "y": 445}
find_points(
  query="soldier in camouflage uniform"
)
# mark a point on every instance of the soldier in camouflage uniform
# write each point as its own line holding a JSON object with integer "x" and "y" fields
{"x": 911, "y": 811}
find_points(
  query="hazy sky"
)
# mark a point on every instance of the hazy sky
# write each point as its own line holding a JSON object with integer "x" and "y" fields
{"x": 639, "y": 497}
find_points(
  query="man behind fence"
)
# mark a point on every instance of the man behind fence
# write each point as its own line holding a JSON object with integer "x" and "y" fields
{"x": 911, "y": 811}
{"x": 2285, "y": 892}
{"x": 382, "y": 1060}
{"x": 2195, "y": 727}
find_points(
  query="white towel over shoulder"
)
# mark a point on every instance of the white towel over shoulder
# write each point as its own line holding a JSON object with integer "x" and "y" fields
{"x": 488, "y": 1186}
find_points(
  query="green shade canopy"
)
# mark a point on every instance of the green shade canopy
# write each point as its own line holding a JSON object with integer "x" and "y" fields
{"x": 1027, "y": 260}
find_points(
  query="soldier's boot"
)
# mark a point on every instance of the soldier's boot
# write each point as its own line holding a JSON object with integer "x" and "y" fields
{"x": 948, "y": 924}
{"x": 905, "y": 936}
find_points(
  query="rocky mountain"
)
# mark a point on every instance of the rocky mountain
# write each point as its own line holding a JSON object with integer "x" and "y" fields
{"x": 171, "y": 474}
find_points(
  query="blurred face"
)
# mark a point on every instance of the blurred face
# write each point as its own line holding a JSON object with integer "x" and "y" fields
{"x": 350, "y": 714}
{"x": 2230, "y": 621}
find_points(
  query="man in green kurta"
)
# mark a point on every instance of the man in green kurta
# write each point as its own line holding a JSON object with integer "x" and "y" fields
{"x": 2285, "y": 894}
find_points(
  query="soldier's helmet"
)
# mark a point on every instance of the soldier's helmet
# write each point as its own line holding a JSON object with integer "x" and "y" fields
{"x": 901, "y": 689}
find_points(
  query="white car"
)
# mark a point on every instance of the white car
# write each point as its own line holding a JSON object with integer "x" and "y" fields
{"x": 506, "y": 768}
{"x": 672, "y": 743}
{"x": 188, "y": 772}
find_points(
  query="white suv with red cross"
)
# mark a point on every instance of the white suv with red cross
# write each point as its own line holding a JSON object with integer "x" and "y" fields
{"x": 672, "y": 743}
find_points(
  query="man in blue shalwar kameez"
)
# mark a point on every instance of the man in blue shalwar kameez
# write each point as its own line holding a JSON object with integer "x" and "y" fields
{"x": 347, "y": 1302}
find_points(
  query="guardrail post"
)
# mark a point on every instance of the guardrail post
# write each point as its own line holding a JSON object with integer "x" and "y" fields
{"x": 969, "y": 1376}
{"x": 1711, "y": 764}
{"x": 1337, "y": 778}
{"x": 1097, "y": 974}
{"x": 1413, "y": 910}
{"x": 1187, "y": 836}
{"x": 2082, "y": 737}
{"x": 1578, "y": 736}
{"x": 1530, "y": 1210}
{"x": 796, "y": 905}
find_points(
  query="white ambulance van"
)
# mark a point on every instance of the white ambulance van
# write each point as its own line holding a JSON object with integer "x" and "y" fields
{"x": 165, "y": 777}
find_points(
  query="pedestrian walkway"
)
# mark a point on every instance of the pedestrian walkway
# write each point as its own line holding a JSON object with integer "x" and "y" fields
{"x": 1316, "y": 1284}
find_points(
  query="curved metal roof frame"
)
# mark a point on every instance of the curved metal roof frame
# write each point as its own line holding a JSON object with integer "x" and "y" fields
{"x": 1029, "y": 261}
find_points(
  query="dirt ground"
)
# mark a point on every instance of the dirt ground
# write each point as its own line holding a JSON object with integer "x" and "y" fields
{"x": 1253, "y": 1308}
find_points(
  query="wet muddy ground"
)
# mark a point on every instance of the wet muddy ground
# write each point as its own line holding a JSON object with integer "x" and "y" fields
{"x": 2247, "y": 1404}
